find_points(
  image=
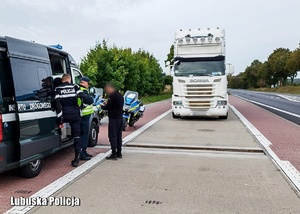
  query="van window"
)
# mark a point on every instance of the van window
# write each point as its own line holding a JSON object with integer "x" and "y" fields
{"x": 58, "y": 65}
{"x": 76, "y": 76}
{"x": 5, "y": 74}
{"x": 31, "y": 80}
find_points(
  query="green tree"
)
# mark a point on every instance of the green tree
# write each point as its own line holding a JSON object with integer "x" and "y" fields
{"x": 277, "y": 62}
{"x": 251, "y": 75}
{"x": 293, "y": 64}
{"x": 265, "y": 78}
{"x": 138, "y": 71}
{"x": 168, "y": 80}
{"x": 170, "y": 55}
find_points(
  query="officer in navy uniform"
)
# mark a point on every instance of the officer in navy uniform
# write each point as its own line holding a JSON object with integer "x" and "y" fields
{"x": 68, "y": 111}
{"x": 87, "y": 111}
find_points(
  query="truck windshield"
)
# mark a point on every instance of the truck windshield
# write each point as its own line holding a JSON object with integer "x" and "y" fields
{"x": 200, "y": 68}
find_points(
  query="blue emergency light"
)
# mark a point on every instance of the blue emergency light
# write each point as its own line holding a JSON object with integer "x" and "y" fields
{"x": 58, "y": 46}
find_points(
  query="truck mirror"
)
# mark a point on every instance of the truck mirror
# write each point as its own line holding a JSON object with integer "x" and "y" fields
{"x": 229, "y": 69}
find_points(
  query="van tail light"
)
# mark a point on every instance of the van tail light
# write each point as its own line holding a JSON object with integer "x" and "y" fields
{"x": 1, "y": 129}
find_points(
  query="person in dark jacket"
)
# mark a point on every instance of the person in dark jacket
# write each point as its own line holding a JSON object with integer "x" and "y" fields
{"x": 114, "y": 106}
{"x": 68, "y": 111}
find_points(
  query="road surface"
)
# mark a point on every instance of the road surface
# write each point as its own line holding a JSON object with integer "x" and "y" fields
{"x": 58, "y": 165}
{"x": 286, "y": 106}
{"x": 184, "y": 166}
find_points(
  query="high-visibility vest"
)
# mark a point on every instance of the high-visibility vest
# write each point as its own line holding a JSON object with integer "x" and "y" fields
{"x": 87, "y": 109}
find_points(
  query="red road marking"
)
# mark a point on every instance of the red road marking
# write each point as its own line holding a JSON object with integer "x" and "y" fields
{"x": 284, "y": 135}
{"x": 58, "y": 165}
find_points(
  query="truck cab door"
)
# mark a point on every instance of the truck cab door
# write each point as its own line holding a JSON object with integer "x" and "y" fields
{"x": 33, "y": 85}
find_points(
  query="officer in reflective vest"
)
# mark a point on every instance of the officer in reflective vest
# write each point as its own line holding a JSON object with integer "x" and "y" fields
{"x": 87, "y": 111}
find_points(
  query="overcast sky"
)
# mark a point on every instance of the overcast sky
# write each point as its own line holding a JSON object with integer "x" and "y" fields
{"x": 254, "y": 28}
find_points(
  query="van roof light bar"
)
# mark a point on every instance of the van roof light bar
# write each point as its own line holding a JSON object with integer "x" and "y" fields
{"x": 58, "y": 46}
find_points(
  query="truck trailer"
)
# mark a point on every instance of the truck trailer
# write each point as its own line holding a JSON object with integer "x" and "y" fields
{"x": 199, "y": 77}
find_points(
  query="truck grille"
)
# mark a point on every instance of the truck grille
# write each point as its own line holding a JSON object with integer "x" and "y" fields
{"x": 199, "y": 96}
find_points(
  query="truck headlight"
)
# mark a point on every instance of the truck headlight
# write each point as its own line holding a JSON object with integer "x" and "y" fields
{"x": 222, "y": 103}
{"x": 177, "y": 103}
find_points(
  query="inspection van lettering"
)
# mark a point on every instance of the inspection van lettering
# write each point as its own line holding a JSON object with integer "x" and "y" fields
{"x": 11, "y": 107}
{"x": 21, "y": 107}
{"x": 36, "y": 106}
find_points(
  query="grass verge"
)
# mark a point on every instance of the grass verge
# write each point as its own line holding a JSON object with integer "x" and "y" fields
{"x": 156, "y": 98}
{"x": 283, "y": 89}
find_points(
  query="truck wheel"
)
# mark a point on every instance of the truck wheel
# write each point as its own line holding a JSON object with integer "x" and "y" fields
{"x": 125, "y": 123}
{"x": 32, "y": 169}
{"x": 175, "y": 116}
{"x": 224, "y": 117}
{"x": 93, "y": 138}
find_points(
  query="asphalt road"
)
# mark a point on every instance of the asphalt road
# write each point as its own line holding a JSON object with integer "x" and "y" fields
{"x": 286, "y": 106}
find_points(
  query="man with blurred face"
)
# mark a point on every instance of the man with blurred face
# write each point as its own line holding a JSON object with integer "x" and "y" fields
{"x": 114, "y": 106}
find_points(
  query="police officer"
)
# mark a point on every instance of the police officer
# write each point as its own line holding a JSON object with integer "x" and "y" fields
{"x": 68, "y": 111}
{"x": 114, "y": 106}
{"x": 87, "y": 111}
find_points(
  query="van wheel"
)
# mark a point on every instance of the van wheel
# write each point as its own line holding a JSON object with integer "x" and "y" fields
{"x": 175, "y": 116}
{"x": 32, "y": 169}
{"x": 93, "y": 139}
{"x": 224, "y": 117}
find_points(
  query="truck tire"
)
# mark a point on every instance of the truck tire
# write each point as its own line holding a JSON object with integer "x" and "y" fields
{"x": 125, "y": 123}
{"x": 224, "y": 117}
{"x": 32, "y": 169}
{"x": 175, "y": 116}
{"x": 93, "y": 138}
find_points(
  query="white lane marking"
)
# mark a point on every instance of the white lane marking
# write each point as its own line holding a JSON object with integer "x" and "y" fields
{"x": 289, "y": 171}
{"x": 270, "y": 107}
{"x": 76, "y": 173}
{"x": 290, "y": 98}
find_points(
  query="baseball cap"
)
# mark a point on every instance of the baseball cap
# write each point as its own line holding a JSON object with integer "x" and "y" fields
{"x": 85, "y": 79}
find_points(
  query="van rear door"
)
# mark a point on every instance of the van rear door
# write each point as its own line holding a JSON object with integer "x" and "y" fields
{"x": 33, "y": 83}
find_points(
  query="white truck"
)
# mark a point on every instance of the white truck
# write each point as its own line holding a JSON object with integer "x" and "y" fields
{"x": 199, "y": 78}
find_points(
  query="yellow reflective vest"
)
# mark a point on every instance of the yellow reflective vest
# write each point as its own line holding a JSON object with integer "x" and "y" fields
{"x": 87, "y": 109}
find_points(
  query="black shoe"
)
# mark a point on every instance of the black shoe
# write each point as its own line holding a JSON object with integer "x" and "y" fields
{"x": 84, "y": 157}
{"x": 88, "y": 155}
{"x": 119, "y": 155}
{"x": 112, "y": 157}
{"x": 76, "y": 160}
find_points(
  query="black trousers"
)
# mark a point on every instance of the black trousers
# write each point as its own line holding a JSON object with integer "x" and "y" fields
{"x": 74, "y": 120}
{"x": 115, "y": 135}
{"x": 85, "y": 129}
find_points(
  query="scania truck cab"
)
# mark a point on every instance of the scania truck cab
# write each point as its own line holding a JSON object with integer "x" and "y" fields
{"x": 29, "y": 73}
{"x": 199, "y": 79}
